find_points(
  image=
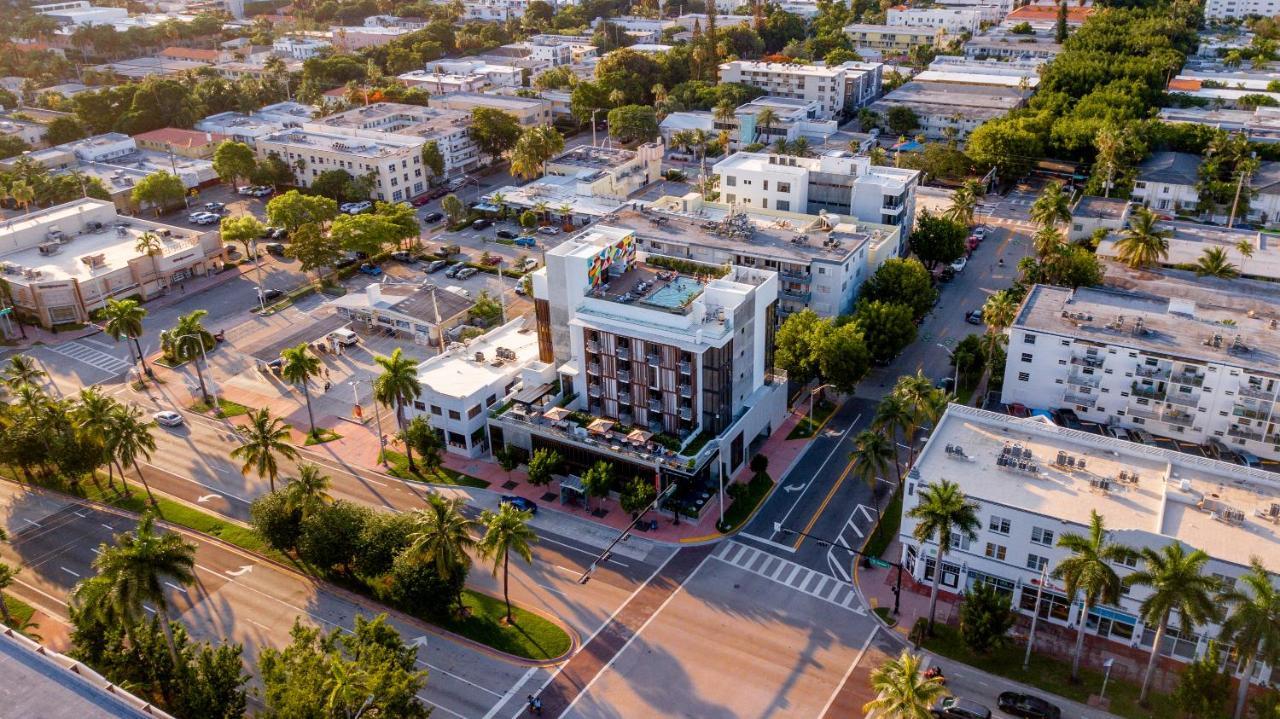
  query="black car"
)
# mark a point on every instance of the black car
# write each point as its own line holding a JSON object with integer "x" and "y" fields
{"x": 271, "y": 294}
{"x": 433, "y": 217}
{"x": 973, "y": 317}
{"x": 346, "y": 261}
{"x": 455, "y": 269}
{"x": 1025, "y": 705}
{"x": 506, "y": 234}
{"x": 436, "y": 266}
{"x": 481, "y": 223}
{"x": 956, "y": 708}
{"x": 519, "y": 503}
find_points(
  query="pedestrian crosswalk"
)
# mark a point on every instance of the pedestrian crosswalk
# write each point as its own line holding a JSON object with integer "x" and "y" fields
{"x": 81, "y": 352}
{"x": 802, "y": 579}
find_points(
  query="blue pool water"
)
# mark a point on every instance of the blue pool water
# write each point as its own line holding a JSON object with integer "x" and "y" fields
{"x": 676, "y": 294}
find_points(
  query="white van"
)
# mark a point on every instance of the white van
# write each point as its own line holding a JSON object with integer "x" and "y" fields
{"x": 344, "y": 337}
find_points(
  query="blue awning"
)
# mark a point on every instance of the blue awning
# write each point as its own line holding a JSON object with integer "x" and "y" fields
{"x": 1113, "y": 615}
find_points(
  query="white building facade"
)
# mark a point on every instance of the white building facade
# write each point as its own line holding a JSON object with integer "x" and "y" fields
{"x": 837, "y": 90}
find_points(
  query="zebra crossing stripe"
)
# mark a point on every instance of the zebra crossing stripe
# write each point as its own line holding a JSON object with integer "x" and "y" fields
{"x": 818, "y": 585}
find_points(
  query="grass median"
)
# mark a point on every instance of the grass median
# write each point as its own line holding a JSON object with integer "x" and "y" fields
{"x": 398, "y": 466}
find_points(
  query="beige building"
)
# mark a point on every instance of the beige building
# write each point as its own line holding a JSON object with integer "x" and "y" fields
{"x": 64, "y": 262}
{"x": 528, "y": 111}
{"x": 394, "y": 160}
{"x": 609, "y": 172}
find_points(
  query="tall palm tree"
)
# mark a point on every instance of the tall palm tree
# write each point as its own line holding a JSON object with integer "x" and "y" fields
{"x": 902, "y": 689}
{"x": 93, "y": 416}
{"x": 893, "y": 416}
{"x": 872, "y": 455}
{"x": 135, "y": 570}
{"x": 764, "y": 121}
{"x": 506, "y": 531}
{"x": 130, "y": 437}
{"x": 499, "y": 201}
{"x": 396, "y": 387}
{"x": 299, "y": 368}
{"x": 187, "y": 341}
{"x": 149, "y": 244}
{"x": 124, "y": 319}
{"x": 999, "y": 310}
{"x": 1046, "y": 241}
{"x": 309, "y": 492}
{"x": 1142, "y": 244}
{"x": 878, "y": 155}
{"x": 22, "y": 370}
{"x": 942, "y": 510}
{"x": 1245, "y": 248}
{"x": 963, "y": 202}
{"x": 442, "y": 535}
{"x": 1052, "y": 206}
{"x": 1089, "y": 573}
{"x": 1214, "y": 263}
{"x": 266, "y": 438}
{"x": 1179, "y": 583}
{"x": 23, "y": 194}
{"x": 681, "y": 140}
{"x": 921, "y": 399}
{"x": 724, "y": 112}
{"x": 1252, "y": 624}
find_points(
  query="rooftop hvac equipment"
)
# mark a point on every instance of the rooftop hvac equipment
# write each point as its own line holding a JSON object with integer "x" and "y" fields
{"x": 1102, "y": 485}
{"x": 479, "y": 356}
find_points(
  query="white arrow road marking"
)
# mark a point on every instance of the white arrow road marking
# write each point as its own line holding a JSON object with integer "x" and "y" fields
{"x": 242, "y": 570}
{"x": 793, "y": 487}
{"x": 207, "y": 497}
{"x": 420, "y": 641}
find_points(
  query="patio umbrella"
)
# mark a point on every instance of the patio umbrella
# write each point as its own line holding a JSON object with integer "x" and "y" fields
{"x": 600, "y": 426}
{"x": 555, "y": 414}
{"x": 639, "y": 435}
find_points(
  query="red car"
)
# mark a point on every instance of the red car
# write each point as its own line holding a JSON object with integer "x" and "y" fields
{"x": 420, "y": 200}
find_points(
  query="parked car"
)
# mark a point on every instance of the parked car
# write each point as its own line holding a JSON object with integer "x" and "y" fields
{"x": 481, "y": 223}
{"x": 980, "y": 232}
{"x": 262, "y": 191}
{"x": 526, "y": 241}
{"x": 355, "y": 208}
{"x": 548, "y": 230}
{"x": 1117, "y": 431}
{"x": 974, "y": 317}
{"x": 371, "y": 269}
{"x": 433, "y": 218}
{"x": 438, "y": 193}
{"x": 528, "y": 265}
{"x": 269, "y": 295}
{"x": 436, "y": 266}
{"x": 519, "y": 503}
{"x": 506, "y": 234}
{"x": 1065, "y": 417}
{"x": 946, "y": 384}
{"x": 958, "y": 708}
{"x": 958, "y": 265}
{"x": 455, "y": 268}
{"x": 520, "y": 289}
{"x": 214, "y": 207}
{"x": 1027, "y": 706}
{"x": 274, "y": 248}
{"x": 203, "y": 218}
{"x": 279, "y": 233}
{"x": 402, "y": 256}
{"x": 420, "y": 200}
{"x": 1245, "y": 457}
{"x": 247, "y": 190}
{"x": 346, "y": 261}
{"x": 466, "y": 273}
{"x": 168, "y": 418}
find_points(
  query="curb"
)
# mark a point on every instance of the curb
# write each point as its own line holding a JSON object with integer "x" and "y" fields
{"x": 354, "y": 597}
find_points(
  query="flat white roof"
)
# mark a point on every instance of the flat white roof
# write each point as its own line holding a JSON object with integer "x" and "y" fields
{"x": 755, "y": 162}
{"x": 456, "y": 373}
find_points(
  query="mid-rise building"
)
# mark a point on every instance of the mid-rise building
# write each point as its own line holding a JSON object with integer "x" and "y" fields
{"x": 837, "y": 90}
{"x": 66, "y": 261}
{"x": 439, "y": 83}
{"x": 300, "y": 48}
{"x": 607, "y": 171}
{"x": 1000, "y": 43}
{"x": 837, "y": 182}
{"x": 670, "y": 360}
{"x": 895, "y": 40}
{"x": 790, "y": 120}
{"x": 952, "y": 21}
{"x": 1258, "y": 125}
{"x": 356, "y": 37}
{"x": 497, "y": 74}
{"x": 1170, "y": 365}
{"x": 528, "y": 111}
{"x": 394, "y": 161}
{"x": 81, "y": 12}
{"x": 1034, "y": 482}
{"x": 448, "y": 129}
{"x": 1240, "y": 9}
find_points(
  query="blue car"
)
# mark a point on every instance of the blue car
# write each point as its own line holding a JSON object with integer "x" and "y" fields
{"x": 519, "y": 503}
{"x": 371, "y": 269}
{"x": 526, "y": 242}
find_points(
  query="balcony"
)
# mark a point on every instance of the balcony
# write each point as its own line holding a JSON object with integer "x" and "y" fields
{"x": 1153, "y": 372}
{"x": 594, "y": 368}
{"x": 1148, "y": 391}
{"x": 1084, "y": 400}
{"x": 686, "y": 390}
{"x": 686, "y": 413}
{"x": 1088, "y": 360}
{"x": 1084, "y": 380}
{"x": 593, "y": 390}
{"x": 1240, "y": 410}
{"x": 793, "y": 276}
{"x": 1186, "y": 399}
{"x": 685, "y": 367}
{"x": 1236, "y": 430}
{"x": 1248, "y": 390}
{"x": 655, "y": 405}
{"x": 624, "y": 354}
{"x": 797, "y": 295}
{"x": 609, "y": 443}
{"x": 593, "y": 346}
{"x": 624, "y": 376}
{"x": 1144, "y": 413}
{"x": 653, "y": 360}
{"x": 1188, "y": 378}
{"x": 624, "y": 397}
{"x": 1179, "y": 418}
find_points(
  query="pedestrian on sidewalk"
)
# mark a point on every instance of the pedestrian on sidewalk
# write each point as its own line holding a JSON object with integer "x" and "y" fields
{"x": 327, "y": 385}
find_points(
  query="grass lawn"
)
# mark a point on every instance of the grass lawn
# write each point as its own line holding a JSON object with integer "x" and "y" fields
{"x": 20, "y": 611}
{"x": 1051, "y": 675}
{"x": 398, "y": 466}
{"x": 808, "y": 426}
{"x": 531, "y": 636}
{"x": 228, "y": 408}
{"x": 886, "y": 615}
{"x": 746, "y": 503}
{"x": 321, "y": 436}
{"x": 890, "y": 518}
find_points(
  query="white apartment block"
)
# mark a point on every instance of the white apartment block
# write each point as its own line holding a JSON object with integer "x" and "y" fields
{"x": 497, "y": 10}
{"x": 395, "y": 161}
{"x": 836, "y": 182}
{"x": 643, "y": 346}
{"x": 837, "y": 90}
{"x": 460, "y": 386}
{"x": 1034, "y": 482}
{"x": 952, "y": 21}
{"x": 439, "y": 83}
{"x": 82, "y": 12}
{"x": 528, "y": 111}
{"x": 66, "y": 261}
{"x": 1240, "y": 9}
{"x": 1170, "y": 366}
{"x": 449, "y": 129}
{"x": 300, "y": 48}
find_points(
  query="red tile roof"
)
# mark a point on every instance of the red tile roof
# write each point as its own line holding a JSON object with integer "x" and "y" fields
{"x": 1185, "y": 84}
{"x": 190, "y": 53}
{"x": 181, "y": 138}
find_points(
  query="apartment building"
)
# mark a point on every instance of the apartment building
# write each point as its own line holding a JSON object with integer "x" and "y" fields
{"x": 528, "y": 111}
{"x": 1259, "y": 125}
{"x": 183, "y": 143}
{"x": 496, "y": 73}
{"x": 952, "y": 110}
{"x": 952, "y": 21}
{"x": 1188, "y": 241}
{"x": 300, "y": 48}
{"x": 607, "y": 171}
{"x": 66, "y": 261}
{"x": 649, "y": 349}
{"x": 32, "y": 133}
{"x": 395, "y": 161}
{"x": 1044, "y": 15}
{"x": 247, "y": 128}
{"x": 1000, "y": 43}
{"x": 896, "y": 40}
{"x": 1240, "y": 9}
{"x": 357, "y": 37}
{"x": 439, "y": 83}
{"x": 836, "y": 182}
{"x": 791, "y": 120}
{"x": 449, "y": 129}
{"x": 1172, "y": 366}
{"x": 547, "y": 53}
{"x": 497, "y": 10}
{"x": 1035, "y": 482}
{"x": 1166, "y": 181}
{"x": 837, "y": 90}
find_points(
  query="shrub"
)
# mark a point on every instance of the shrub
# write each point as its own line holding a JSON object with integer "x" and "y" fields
{"x": 416, "y": 587}
{"x": 383, "y": 537}
{"x": 986, "y": 615}
{"x": 274, "y": 522}
{"x": 759, "y": 463}
{"x": 330, "y": 537}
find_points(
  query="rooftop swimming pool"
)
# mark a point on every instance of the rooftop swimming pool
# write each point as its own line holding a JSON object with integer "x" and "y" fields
{"x": 676, "y": 294}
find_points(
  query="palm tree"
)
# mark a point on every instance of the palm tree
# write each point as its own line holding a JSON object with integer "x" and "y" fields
{"x": 764, "y": 120}
{"x": 1245, "y": 248}
{"x": 963, "y": 203}
{"x": 923, "y": 406}
{"x": 93, "y": 417}
{"x": 180, "y": 344}
{"x": 299, "y": 367}
{"x": 129, "y": 436}
{"x": 878, "y": 155}
{"x": 22, "y": 370}
{"x": 1046, "y": 241}
{"x": 265, "y": 438}
{"x": 1052, "y": 206}
{"x": 943, "y": 510}
{"x": 540, "y": 208}
{"x": 893, "y": 416}
{"x": 1214, "y": 263}
{"x": 7, "y": 575}
{"x": 442, "y": 535}
{"x": 724, "y": 112}
{"x": 873, "y": 454}
{"x": 124, "y": 319}
{"x": 23, "y": 194}
{"x": 681, "y": 140}
{"x": 506, "y": 531}
{"x": 902, "y": 689}
{"x": 135, "y": 571}
{"x": 1178, "y": 582}
{"x": 1089, "y": 573}
{"x": 150, "y": 245}
{"x": 396, "y": 387}
{"x": 566, "y": 215}
{"x": 309, "y": 492}
{"x": 499, "y": 201}
{"x": 1252, "y": 624}
{"x": 1142, "y": 244}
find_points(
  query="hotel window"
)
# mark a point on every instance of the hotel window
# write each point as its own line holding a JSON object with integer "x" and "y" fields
{"x": 1042, "y": 536}
{"x": 995, "y": 551}
{"x": 999, "y": 525}
{"x": 1036, "y": 563}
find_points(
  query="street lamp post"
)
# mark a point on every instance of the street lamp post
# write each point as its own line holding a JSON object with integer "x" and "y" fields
{"x": 377, "y": 417}
{"x": 1035, "y": 616}
{"x": 812, "y": 394}
{"x": 204, "y": 393}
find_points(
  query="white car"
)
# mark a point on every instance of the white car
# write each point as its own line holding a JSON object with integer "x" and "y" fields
{"x": 168, "y": 418}
{"x": 549, "y": 230}
{"x": 959, "y": 264}
{"x": 203, "y": 218}
{"x": 355, "y": 208}
{"x": 980, "y": 232}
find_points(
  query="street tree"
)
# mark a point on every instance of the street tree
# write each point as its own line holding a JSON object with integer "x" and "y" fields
{"x": 293, "y": 209}
{"x": 245, "y": 229}
{"x": 396, "y": 387}
{"x": 943, "y": 511}
{"x": 123, "y": 319}
{"x": 1046, "y": 241}
{"x": 797, "y": 345}
{"x": 543, "y": 465}
{"x": 187, "y": 342}
{"x": 1089, "y": 574}
{"x": 266, "y": 442}
{"x": 902, "y": 281}
{"x": 425, "y": 441}
{"x": 433, "y": 159}
{"x": 633, "y": 123}
{"x": 1052, "y": 207}
{"x": 597, "y": 481}
{"x": 442, "y": 536}
{"x": 843, "y": 358}
{"x": 233, "y": 160}
{"x": 313, "y": 248}
{"x": 999, "y": 310}
{"x": 453, "y": 208}
{"x": 299, "y": 368}
{"x": 337, "y": 185}
{"x": 986, "y": 616}
{"x": 902, "y": 690}
{"x": 329, "y": 537}
{"x": 886, "y": 327}
{"x": 506, "y": 531}
{"x": 937, "y": 240}
{"x": 964, "y": 200}
{"x": 494, "y": 132}
{"x": 401, "y": 222}
{"x": 159, "y": 190}
{"x": 1204, "y": 686}
{"x": 535, "y": 146}
{"x": 368, "y": 233}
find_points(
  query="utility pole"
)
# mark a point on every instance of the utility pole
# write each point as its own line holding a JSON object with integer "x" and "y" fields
{"x": 1035, "y": 616}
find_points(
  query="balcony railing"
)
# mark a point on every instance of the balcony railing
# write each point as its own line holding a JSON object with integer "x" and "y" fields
{"x": 1153, "y": 372}
{"x": 624, "y": 375}
{"x": 1236, "y": 430}
{"x": 1188, "y": 378}
{"x": 1186, "y": 399}
{"x": 593, "y": 346}
{"x": 653, "y": 360}
{"x": 593, "y": 390}
{"x": 1248, "y": 390}
{"x": 794, "y": 276}
{"x": 1179, "y": 418}
{"x": 1148, "y": 391}
{"x": 685, "y": 367}
{"x": 624, "y": 354}
{"x": 624, "y": 397}
{"x": 799, "y": 295}
{"x": 1249, "y": 412}
{"x": 655, "y": 405}
{"x": 593, "y": 368}
{"x": 686, "y": 413}
{"x": 686, "y": 390}
{"x": 1088, "y": 360}
{"x": 1084, "y": 380}
{"x": 1084, "y": 400}
{"x": 612, "y": 443}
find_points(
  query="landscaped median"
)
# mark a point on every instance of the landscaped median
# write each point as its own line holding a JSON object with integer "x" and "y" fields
{"x": 398, "y": 466}
{"x": 531, "y": 637}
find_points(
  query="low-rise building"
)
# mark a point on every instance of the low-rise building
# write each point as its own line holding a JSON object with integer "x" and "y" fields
{"x": 687, "y": 121}
{"x": 81, "y": 12}
{"x": 1034, "y": 482}
{"x": 838, "y": 90}
{"x": 1259, "y": 125}
{"x": 248, "y": 128}
{"x": 893, "y": 40}
{"x": 141, "y": 68}
{"x": 348, "y": 38}
{"x": 440, "y": 83}
{"x": 300, "y": 48}
{"x": 463, "y": 384}
{"x": 64, "y": 262}
{"x": 448, "y": 129}
{"x": 1188, "y": 241}
{"x": 1093, "y": 213}
{"x": 1044, "y": 16}
{"x": 607, "y": 171}
{"x": 414, "y": 312}
{"x": 183, "y": 143}
{"x": 395, "y": 161}
{"x": 952, "y": 110}
{"x": 1173, "y": 366}
{"x": 791, "y": 120}
{"x": 1000, "y": 43}
{"x": 528, "y": 111}
{"x": 1166, "y": 181}
{"x": 952, "y": 21}
{"x": 496, "y": 73}
{"x": 32, "y": 133}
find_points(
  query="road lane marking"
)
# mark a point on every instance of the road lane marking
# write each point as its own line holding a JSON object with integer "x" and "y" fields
{"x": 28, "y": 521}
{"x": 776, "y": 545}
{"x": 825, "y": 501}
{"x": 510, "y": 692}
{"x": 542, "y": 539}
{"x": 108, "y": 526}
{"x": 68, "y": 571}
{"x": 847, "y": 672}
{"x": 171, "y": 585}
{"x": 821, "y": 467}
